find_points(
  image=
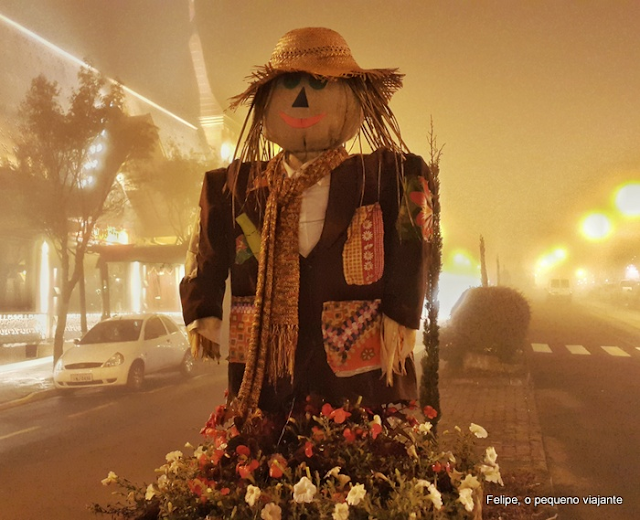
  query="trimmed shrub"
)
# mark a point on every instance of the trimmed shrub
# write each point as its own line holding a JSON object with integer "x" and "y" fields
{"x": 492, "y": 320}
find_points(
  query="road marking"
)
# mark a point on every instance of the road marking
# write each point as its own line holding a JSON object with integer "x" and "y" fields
{"x": 578, "y": 349}
{"x": 20, "y": 432}
{"x": 616, "y": 351}
{"x": 541, "y": 347}
{"x": 79, "y": 414}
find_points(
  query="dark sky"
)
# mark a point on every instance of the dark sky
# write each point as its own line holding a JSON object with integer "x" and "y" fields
{"x": 537, "y": 102}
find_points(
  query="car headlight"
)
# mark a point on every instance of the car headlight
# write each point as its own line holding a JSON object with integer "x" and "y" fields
{"x": 59, "y": 365}
{"x": 114, "y": 361}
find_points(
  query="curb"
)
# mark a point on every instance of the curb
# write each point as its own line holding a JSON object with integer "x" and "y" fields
{"x": 32, "y": 397}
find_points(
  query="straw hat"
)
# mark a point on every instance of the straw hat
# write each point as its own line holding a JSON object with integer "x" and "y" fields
{"x": 321, "y": 52}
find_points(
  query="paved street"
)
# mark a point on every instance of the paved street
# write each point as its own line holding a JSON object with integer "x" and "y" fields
{"x": 585, "y": 373}
{"x": 54, "y": 452}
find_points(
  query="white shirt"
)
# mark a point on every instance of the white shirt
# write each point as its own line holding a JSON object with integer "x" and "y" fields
{"x": 314, "y": 207}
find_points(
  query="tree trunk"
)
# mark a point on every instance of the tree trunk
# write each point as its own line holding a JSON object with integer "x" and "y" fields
{"x": 83, "y": 299}
{"x": 58, "y": 342}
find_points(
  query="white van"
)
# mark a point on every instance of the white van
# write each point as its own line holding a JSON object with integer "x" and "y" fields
{"x": 559, "y": 289}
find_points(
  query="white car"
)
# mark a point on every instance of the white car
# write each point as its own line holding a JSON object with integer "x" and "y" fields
{"x": 122, "y": 351}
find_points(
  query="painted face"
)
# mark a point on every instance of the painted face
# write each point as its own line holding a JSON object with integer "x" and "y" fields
{"x": 305, "y": 114}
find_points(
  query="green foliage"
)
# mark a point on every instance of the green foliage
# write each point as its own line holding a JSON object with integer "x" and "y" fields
{"x": 487, "y": 319}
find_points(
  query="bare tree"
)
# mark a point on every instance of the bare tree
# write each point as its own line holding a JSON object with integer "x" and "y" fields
{"x": 172, "y": 184}
{"x": 67, "y": 163}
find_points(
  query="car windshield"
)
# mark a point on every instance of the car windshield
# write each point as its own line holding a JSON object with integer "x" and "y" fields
{"x": 113, "y": 332}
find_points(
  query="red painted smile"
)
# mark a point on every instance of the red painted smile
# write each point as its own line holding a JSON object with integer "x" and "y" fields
{"x": 305, "y": 122}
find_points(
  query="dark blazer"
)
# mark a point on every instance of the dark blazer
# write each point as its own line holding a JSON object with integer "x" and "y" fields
{"x": 340, "y": 308}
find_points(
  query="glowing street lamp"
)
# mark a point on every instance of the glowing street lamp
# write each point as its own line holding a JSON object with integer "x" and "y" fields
{"x": 596, "y": 226}
{"x": 627, "y": 199}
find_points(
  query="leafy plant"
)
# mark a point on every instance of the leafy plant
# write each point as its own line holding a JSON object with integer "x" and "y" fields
{"x": 492, "y": 320}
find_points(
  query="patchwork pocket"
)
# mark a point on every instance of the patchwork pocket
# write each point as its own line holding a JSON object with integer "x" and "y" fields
{"x": 363, "y": 253}
{"x": 351, "y": 334}
{"x": 240, "y": 321}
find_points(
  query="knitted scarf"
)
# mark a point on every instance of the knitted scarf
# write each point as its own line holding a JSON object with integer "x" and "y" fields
{"x": 274, "y": 333}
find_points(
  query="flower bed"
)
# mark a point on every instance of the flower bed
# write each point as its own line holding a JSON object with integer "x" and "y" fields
{"x": 320, "y": 462}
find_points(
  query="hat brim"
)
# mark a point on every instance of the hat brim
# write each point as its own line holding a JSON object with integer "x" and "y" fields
{"x": 387, "y": 81}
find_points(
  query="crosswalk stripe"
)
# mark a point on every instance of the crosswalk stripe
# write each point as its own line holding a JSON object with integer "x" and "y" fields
{"x": 616, "y": 351}
{"x": 578, "y": 349}
{"x": 541, "y": 347}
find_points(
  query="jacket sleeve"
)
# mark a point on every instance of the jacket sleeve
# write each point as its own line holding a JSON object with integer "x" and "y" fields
{"x": 210, "y": 252}
{"x": 408, "y": 220}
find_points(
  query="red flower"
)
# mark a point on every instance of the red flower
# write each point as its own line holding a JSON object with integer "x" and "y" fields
{"x": 327, "y": 410}
{"x": 376, "y": 429}
{"x": 243, "y": 450}
{"x": 225, "y": 491}
{"x": 318, "y": 433}
{"x": 349, "y": 435}
{"x": 277, "y": 465}
{"x": 308, "y": 449}
{"x": 340, "y": 415}
{"x": 437, "y": 467}
{"x": 429, "y": 412}
{"x": 246, "y": 470}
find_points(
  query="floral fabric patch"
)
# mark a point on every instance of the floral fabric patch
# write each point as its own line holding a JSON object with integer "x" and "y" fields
{"x": 240, "y": 321}
{"x": 243, "y": 253}
{"x": 351, "y": 334}
{"x": 415, "y": 219}
{"x": 363, "y": 253}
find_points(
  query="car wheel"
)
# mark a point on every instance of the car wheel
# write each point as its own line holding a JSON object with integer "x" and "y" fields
{"x": 188, "y": 364}
{"x": 135, "y": 381}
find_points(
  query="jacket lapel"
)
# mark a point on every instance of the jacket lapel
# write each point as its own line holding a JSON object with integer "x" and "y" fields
{"x": 344, "y": 197}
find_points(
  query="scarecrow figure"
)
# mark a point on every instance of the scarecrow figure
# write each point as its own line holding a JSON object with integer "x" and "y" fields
{"x": 327, "y": 251}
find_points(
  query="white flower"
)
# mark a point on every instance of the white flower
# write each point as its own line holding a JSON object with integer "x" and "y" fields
{"x": 435, "y": 496}
{"x": 271, "y": 512}
{"x": 333, "y": 472}
{"x": 421, "y": 483}
{"x": 490, "y": 456}
{"x": 163, "y": 482}
{"x": 253, "y": 493}
{"x": 151, "y": 492}
{"x": 188, "y": 445}
{"x": 377, "y": 420}
{"x": 492, "y": 473}
{"x": 425, "y": 427}
{"x": 173, "y": 456}
{"x": 112, "y": 478}
{"x": 340, "y": 512}
{"x": 466, "y": 498}
{"x": 413, "y": 516}
{"x": 198, "y": 452}
{"x": 470, "y": 481}
{"x": 356, "y": 494}
{"x": 478, "y": 431}
{"x": 304, "y": 491}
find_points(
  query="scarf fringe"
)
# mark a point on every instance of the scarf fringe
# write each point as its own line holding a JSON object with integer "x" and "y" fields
{"x": 282, "y": 348}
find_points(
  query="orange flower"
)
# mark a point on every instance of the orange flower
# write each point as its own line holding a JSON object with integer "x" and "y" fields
{"x": 376, "y": 429}
{"x": 327, "y": 410}
{"x": 318, "y": 433}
